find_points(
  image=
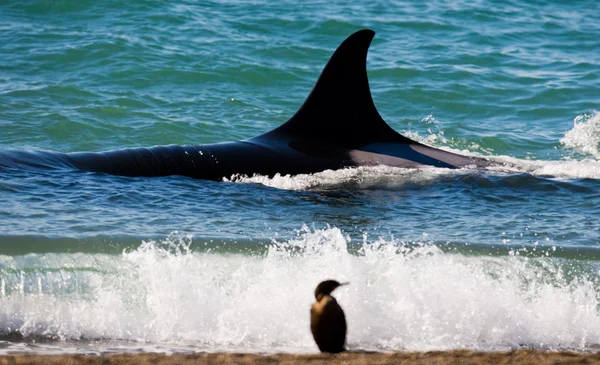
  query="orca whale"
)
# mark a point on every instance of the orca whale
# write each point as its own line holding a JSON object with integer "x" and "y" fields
{"x": 337, "y": 126}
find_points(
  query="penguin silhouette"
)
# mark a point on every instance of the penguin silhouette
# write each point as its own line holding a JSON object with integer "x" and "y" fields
{"x": 327, "y": 319}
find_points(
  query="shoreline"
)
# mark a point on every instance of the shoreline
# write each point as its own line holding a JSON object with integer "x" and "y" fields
{"x": 537, "y": 357}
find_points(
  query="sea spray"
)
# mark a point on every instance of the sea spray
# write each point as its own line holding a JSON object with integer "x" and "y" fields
{"x": 585, "y": 134}
{"x": 411, "y": 296}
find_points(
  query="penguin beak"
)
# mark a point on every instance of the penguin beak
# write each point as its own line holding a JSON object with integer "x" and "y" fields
{"x": 345, "y": 283}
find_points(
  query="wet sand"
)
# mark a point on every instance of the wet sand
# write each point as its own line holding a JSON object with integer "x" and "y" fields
{"x": 434, "y": 358}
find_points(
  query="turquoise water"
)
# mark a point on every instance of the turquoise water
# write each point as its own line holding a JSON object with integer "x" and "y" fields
{"x": 436, "y": 258}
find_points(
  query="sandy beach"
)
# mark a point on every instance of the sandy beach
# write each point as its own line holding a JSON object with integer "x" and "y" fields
{"x": 436, "y": 358}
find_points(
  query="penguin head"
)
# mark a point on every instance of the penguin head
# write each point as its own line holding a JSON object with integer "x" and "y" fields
{"x": 326, "y": 287}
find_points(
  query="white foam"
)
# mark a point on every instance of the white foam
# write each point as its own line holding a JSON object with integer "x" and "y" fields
{"x": 400, "y": 297}
{"x": 366, "y": 177}
{"x": 563, "y": 169}
{"x": 585, "y": 135}
{"x": 360, "y": 177}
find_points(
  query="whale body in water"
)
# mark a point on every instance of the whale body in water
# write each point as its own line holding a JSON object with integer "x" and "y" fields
{"x": 337, "y": 126}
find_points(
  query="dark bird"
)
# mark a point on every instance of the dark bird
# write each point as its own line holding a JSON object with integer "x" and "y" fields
{"x": 327, "y": 319}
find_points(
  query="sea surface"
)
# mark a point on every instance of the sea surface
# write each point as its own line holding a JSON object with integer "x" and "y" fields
{"x": 504, "y": 258}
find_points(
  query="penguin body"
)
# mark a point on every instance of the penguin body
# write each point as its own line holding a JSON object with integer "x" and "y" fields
{"x": 327, "y": 319}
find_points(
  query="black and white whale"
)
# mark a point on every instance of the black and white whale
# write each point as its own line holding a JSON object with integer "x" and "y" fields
{"x": 337, "y": 126}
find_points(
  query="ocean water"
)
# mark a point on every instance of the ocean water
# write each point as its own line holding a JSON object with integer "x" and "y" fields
{"x": 437, "y": 259}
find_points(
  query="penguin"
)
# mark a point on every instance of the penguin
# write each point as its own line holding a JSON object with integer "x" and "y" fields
{"x": 327, "y": 319}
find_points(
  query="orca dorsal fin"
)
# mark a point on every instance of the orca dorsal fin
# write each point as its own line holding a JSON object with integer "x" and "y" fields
{"x": 340, "y": 107}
